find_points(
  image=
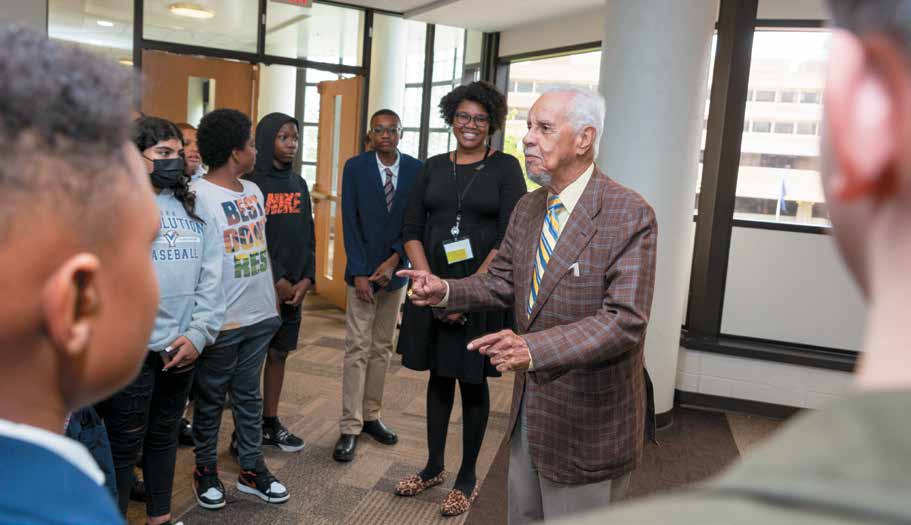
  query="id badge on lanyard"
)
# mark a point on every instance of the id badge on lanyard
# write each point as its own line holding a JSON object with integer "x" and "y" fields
{"x": 459, "y": 248}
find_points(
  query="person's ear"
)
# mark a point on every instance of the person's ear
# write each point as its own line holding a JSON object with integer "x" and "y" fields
{"x": 866, "y": 100}
{"x": 71, "y": 302}
{"x": 585, "y": 140}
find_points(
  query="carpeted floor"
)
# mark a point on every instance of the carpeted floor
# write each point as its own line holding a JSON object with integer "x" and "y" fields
{"x": 323, "y": 491}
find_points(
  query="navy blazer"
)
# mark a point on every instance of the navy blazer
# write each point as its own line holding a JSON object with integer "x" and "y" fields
{"x": 372, "y": 233}
{"x": 39, "y": 487}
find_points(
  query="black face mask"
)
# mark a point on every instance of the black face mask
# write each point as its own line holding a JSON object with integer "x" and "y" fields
{"x": 166, "y": 173}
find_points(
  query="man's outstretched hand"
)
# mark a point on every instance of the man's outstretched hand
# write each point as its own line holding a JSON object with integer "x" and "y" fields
{"x": 506, "y": 349}
{"x": 426, "y": 289}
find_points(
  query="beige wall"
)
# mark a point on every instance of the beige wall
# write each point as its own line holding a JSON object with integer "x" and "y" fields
{"x": 578, "y": 29}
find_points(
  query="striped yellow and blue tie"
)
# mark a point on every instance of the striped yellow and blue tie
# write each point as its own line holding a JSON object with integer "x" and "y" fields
{"x": 549, "y": 235}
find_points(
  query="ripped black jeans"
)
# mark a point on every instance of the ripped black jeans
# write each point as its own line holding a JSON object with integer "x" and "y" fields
{"x": 144, "y": 416}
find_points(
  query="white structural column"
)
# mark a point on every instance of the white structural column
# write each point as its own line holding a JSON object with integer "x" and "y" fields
{"x": 278, "y": 83}
{"x": 387, "y": 65}
{"x": 654, "y": 65}
{"x": 277, "y": 89}
{"x": 32, "y": 14}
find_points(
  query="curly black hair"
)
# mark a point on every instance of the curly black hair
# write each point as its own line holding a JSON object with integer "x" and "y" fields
{"x": 64, "y": 121}
{"x": 221, "y": 132}
{"x": 482, "y": 92}
{"x": 148, "y": 131}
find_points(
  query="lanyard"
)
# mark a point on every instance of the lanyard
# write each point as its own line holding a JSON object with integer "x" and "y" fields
{"x": 461, "y": 196}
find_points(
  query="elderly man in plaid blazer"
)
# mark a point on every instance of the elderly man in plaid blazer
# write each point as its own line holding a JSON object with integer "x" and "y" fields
{"x": 577, "y": 264}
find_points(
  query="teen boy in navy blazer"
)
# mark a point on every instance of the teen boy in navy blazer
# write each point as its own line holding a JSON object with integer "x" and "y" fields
{"x": 376, "y": 186}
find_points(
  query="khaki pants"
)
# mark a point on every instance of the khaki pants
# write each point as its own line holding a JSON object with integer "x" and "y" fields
{"x": 368, "y": 347}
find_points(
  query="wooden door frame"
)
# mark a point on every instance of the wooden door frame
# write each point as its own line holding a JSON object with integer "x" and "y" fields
{"x": 161, "y": 67}
{"x": 334, "y": 288}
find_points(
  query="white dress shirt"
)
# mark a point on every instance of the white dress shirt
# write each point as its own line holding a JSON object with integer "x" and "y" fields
{"x": 394, "y": 169}
{"x": 570, "y": 196}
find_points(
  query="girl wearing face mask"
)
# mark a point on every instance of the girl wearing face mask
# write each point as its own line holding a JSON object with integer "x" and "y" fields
{"x": 187, "y": 258}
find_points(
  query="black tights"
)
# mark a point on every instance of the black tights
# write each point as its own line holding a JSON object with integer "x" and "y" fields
{"x": 475, "y": 409}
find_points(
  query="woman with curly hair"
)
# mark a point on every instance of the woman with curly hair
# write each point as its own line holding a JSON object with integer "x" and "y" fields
{"x": 187, "y": 259}
{"x": 459, "y": 210}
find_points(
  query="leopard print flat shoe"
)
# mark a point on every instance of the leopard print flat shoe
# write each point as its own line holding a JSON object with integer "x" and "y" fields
{"x": 456, "y": 503}
{"x": 414, "y": 485}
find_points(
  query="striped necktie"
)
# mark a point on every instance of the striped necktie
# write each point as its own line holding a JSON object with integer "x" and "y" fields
{"x": 549, "y": 235}
{"x": 389, "y": 189}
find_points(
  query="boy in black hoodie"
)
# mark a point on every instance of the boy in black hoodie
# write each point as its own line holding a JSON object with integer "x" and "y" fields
{"x": 292, "y": 242}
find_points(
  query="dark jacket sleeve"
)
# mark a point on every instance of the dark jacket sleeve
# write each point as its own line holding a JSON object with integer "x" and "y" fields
{"x": 416, "y": 216}
{"x": 355, "y": 246}
{"x": 512, "y": 188}
{"x": 309, "y": 234}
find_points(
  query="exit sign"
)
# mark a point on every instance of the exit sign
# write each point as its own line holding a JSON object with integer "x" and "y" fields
{"x": 299, "y": 3}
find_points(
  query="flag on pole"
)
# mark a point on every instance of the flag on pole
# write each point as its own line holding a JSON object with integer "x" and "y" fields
{"x": 782, "y": 194}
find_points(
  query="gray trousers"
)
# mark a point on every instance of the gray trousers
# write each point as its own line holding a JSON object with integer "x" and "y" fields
{"x": 533, "y": 498}
{"x": 233, "y": 363}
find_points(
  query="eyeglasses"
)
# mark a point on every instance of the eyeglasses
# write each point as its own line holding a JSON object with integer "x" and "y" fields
{"x": 380, "y": 131}
{"x": 481, "y": 121}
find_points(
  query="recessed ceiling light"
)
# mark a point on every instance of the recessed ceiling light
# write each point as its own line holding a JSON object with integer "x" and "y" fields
{"x": 125, "y": 61}
{"x": 104, "y": 23}
{"x": 191, "y": 11}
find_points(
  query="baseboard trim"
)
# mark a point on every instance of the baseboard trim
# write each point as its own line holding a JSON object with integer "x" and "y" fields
{"x": 774, "y": 351}
{"x": 730, "y": 404}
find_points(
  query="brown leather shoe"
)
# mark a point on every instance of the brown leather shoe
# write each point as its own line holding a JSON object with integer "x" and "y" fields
{"x": 456, "y": 503}
{"x": 414, "y": 485}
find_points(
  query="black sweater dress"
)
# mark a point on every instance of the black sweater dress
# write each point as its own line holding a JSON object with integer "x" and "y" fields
{"x": 426, "y": 343}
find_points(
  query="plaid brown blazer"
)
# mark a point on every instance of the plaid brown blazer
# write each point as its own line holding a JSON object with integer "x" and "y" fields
{"x": 585, "y": 400}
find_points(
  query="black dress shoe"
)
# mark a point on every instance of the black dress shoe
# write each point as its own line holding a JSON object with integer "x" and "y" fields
{"x": 380, "y": 432}
{"x": 344, "y": 447}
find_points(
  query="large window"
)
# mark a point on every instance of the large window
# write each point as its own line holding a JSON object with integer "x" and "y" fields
{"x": 393, "y": 69}
{"x": 448, "y": 60}
{"x": 103, "y": 27}
{"x": 294, "y": 91}
{"x": 321, "y": 33}
{"x": 310, "y": 126}
{"x": 779, "y": 178}
{"x": 221, "y": 25}
{"x": 705, "y": 119}
{"x": 529, "y": 79}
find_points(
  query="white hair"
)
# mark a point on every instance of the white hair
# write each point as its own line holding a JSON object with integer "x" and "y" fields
{"x": 586, "y": 109}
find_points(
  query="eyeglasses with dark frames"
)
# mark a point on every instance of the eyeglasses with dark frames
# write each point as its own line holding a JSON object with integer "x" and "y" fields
{"x": 382, "y": 130}
{"x": 481, "y": 121}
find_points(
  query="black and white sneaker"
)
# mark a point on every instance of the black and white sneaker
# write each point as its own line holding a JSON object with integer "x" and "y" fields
{"x": 260, "y": 482}
{"x": 210, "y": 492}
{"x": 278, "y": 436}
